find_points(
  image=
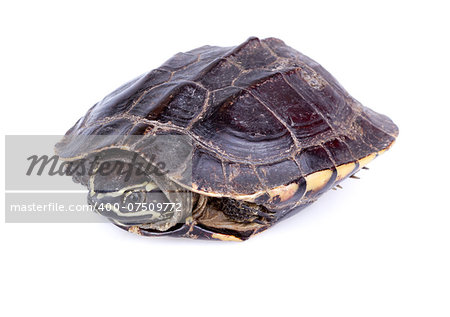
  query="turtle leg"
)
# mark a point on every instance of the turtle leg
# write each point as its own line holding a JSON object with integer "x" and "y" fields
{"x": 241, "y": 211}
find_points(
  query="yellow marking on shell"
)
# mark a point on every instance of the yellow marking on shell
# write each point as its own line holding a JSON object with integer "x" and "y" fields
{"x": 386, "y": 148}
{"x": 135, "y": 230}
{"x": 366, "y": 160}
{"x": 194, "y": 188}
{"x": 314, "y": 181}
{"x": 285, "y": 192}
{"x": 344, "y": 170}
{"x": 317, "y": 180}
{"x": 382, "y": 151}
{"x": 225, "y": 237}
{"x": 249, "y": 198}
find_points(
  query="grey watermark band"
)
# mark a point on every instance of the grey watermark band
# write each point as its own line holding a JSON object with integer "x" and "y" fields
{"x": 129, "y": 181}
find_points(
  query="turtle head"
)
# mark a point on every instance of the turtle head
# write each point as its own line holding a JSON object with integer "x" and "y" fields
{"x": 130, "y": 192}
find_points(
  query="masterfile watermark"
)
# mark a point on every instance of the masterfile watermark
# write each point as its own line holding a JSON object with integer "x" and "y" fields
{"x": 93, "y": 178}
{"x": 40, "y": 164}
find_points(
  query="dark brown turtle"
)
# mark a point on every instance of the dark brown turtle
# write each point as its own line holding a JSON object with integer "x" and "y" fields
{"x": 270, "y": 129}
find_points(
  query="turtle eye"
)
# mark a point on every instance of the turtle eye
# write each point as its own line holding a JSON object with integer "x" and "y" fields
{"x": 134, "y": 197}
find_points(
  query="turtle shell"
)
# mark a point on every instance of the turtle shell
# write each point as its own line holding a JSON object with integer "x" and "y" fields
{"x": 259, "y": 115}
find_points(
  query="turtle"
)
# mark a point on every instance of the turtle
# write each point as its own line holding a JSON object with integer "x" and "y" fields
{"x": 252, "y": 133}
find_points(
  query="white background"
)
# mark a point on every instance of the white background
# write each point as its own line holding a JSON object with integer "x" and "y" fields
{"x": 379, "y": 247}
